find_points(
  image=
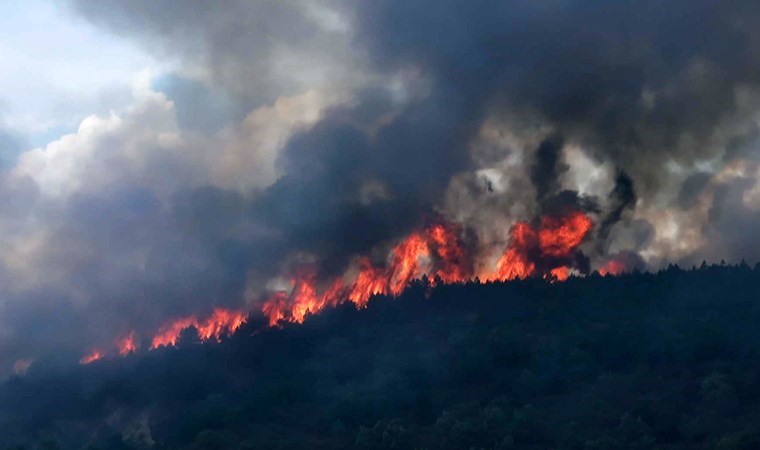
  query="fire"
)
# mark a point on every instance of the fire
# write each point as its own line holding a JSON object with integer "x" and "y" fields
{"x": 559, "y": 236}
{"x": 612, "y": 267}
{"x": 94, "y": 355}
{"x": 168, "y": 334}
{"x": 447, "y": 246}
{"x": 334, "y": 294}
{"x": 548, "y": 247}
{"x": 127, "y": 344}
{"x": 302, "y": 300}
{"x": 559, "y": 274}
{"x": 276, "y": 308}
{"x": 220, "y": 322}
{"x": 370, "y": 281}
{"x": 436, "y": 250}
{"x": 406, "y": 259}
{"x": 515, "y": 262}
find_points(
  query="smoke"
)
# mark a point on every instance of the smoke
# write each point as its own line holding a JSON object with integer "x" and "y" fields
{"x": 547, "y": 167}
{"x": 315, "y": 134}
{"x": 621, "y": 198}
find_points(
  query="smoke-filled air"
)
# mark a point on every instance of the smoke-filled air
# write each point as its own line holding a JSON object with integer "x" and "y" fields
{"x": 192, "y": 166}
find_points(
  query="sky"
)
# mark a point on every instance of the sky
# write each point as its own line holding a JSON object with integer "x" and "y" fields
{"x": 59, "y": 69}
{"x": 160, "y": 160}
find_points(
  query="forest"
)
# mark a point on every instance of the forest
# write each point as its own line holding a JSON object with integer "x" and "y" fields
{"x": 665, "y": 360}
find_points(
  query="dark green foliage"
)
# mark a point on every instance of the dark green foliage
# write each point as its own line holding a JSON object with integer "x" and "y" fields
{"x": 641, "y": 361}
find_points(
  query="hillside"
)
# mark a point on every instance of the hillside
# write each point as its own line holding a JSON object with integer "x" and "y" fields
{"x": 639, "y": 361}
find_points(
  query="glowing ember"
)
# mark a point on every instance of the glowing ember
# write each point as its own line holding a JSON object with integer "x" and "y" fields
{"x": 127, "y": 344}
{"x": 90, "y": 357}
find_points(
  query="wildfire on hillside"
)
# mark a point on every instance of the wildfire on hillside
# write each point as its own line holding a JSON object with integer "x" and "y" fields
{"x": 546, "y": 249}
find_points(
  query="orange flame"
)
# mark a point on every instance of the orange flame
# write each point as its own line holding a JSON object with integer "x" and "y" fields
{"x": 303, "y": 300}
{"x": 276, "y": 308}
{"x": 559, "y": 236}
{"x": 559, "y": 274}
{"x": 451, "y": 257}
{"x": 406, "y": 258}
{"x": 370, "y": 281}
{"x": 220, "y": 322}
{"x": 436, "y": 250}
{"x": 168, "y": 334}
{"x": 94, "y": 355}
{"x": 515, "y": 262}
{"x": 127, "y": 344}
{"x": 612, "y": 267}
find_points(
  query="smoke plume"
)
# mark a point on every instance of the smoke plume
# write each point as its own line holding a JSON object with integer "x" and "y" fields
{"x": 343, "y": 149}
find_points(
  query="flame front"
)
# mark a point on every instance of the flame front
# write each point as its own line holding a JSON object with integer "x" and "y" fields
{"x": 219, "y": 323}
{"x": 168, "y": 334}
{"x": 94, "y": 355}
{"x": 370, "y": 281}
{"x": 436, "y": 250}
{"x": 127, "y": 344}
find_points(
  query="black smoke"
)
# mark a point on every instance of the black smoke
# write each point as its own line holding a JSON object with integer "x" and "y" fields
{"x": 640, "y": 87}
{"x": 630, "y": 81}
{"x": 547, "y": 168}
{"x": 621, "y": 198}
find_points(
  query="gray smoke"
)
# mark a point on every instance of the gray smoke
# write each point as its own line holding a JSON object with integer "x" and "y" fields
{"x": 313, "y": 132}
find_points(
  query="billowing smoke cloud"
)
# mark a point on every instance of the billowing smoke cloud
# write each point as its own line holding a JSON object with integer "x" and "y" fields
{"x": 310, "y": 133}
{"x": 622, "y": 198}
{"x": 547, "y": 167}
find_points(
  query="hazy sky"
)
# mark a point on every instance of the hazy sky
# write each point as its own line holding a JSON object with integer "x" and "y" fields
{"x": 159, "y": 159}
{"x": 58, "y": 69}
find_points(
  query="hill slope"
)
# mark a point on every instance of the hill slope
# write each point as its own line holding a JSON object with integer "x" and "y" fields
{"x": 667, "y": 360}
